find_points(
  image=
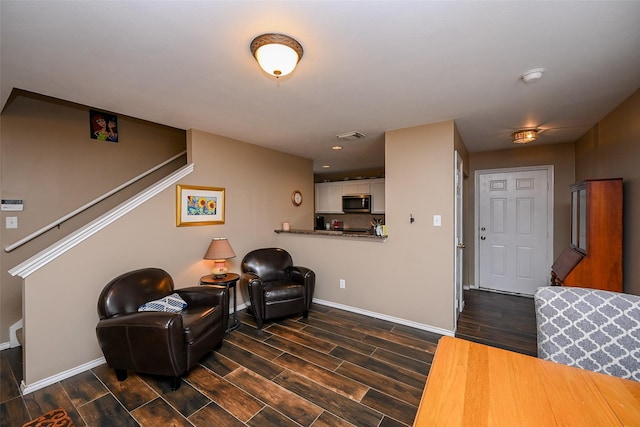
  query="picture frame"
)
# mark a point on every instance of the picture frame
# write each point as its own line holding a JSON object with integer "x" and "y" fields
{"x": 197, "y": 205}
{"x": 103, "y": 126}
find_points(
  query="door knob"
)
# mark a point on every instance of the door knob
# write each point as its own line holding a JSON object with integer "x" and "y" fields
{"x": 483, "y": 238}
{"x": 461, "y": 246}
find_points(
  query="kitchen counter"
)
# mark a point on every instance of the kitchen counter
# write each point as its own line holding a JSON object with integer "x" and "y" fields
{"x": 335, "y": 233}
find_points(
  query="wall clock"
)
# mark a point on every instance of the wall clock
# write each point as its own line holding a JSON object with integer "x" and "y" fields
{"x": 296, "y": 198}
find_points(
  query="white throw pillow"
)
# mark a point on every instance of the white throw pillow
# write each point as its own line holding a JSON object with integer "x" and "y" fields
{"x": 171, "y": 303}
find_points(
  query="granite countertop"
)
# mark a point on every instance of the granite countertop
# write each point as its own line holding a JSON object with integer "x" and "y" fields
{"x": 334, "y": 233}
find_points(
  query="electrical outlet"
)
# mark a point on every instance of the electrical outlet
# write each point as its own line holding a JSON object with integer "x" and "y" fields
{"x": 343, "y": 284}
{"x": 11, "y": 222}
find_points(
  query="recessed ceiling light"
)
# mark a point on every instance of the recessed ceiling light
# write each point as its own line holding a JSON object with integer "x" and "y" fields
{"x": 337, "y": 147}
{"x": 326, "y": 166}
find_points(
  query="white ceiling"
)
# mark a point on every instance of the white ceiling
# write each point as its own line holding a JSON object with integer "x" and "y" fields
{"x": 369, "y": 66}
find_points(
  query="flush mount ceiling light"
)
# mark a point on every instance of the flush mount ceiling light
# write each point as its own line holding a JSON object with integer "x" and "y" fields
{"x": 277, "y": 54}
{"x": 532, "y": 75}
{"x": 524, "y": 136}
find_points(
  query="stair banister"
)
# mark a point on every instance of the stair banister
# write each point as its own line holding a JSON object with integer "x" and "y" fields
{"x": 88, "y": 205}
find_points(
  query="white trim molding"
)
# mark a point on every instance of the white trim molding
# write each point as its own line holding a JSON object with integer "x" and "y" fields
{"x": 28, "y": 388}
{"x": 393, "y": 319}
{"x": 13, "y": 335}
{"x": 88, "y": 205}
{"x": 52, "y": 252}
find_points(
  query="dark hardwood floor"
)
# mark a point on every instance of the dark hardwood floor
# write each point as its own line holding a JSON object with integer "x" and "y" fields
{"x": 335, "y": 368}
{"x": 499, "y": 320}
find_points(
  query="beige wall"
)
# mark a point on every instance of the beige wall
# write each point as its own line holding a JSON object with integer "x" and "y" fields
{"x": 258, "y": 184}
{"x": 408, "y": 277}
{"x": 49, "y": 161}
{"x": 611, "y": 149}
{"x": 561, "y": 156}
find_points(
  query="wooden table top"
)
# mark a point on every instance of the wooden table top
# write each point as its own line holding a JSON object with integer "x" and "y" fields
{"x": 472, "y": 384}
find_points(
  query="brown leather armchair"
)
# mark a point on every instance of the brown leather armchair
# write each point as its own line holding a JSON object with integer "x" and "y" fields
{"x": 155, "y": 342}
{"x": 275, "y": 286}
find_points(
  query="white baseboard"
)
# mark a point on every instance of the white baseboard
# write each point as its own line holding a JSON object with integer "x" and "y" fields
{"x": 375, "y": 315}
{"x": 13, "y": 338}
{"x": 28, "y": 388}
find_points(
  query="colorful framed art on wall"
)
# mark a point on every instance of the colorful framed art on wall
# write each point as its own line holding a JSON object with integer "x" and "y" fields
{"x": 197, "y": 205}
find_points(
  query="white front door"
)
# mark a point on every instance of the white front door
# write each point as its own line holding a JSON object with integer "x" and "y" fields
{"x": 515, "y": 216}
{"x": 459, "y": 242}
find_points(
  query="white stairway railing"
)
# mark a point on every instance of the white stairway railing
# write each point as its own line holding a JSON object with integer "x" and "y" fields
{"x": 52, "y": 252}
{"x": 95, "y": 201}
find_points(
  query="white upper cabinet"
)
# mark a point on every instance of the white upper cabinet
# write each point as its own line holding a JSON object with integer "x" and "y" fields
{"x": 329, "y": 197}
{"x": 355, "y": 188}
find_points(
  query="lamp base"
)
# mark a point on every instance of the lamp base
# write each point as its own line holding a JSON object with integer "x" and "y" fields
{"x": 219, "y": 269}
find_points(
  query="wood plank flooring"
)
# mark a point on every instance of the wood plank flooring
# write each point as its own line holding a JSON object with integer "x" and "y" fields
{"x": 335, "y": 368}
{"x": 499, "y": 320}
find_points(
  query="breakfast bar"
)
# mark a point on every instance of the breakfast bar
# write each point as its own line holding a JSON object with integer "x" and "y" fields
{"x": 336, "y": 233}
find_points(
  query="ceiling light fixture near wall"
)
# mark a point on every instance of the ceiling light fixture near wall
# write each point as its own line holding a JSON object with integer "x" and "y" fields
{"x": 524, "y": 136}
{"x": 532, "y": 75}
{"x": 277, "y": 54}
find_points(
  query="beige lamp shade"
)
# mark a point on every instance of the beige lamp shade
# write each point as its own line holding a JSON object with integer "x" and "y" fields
{"x": 219, "y": 251}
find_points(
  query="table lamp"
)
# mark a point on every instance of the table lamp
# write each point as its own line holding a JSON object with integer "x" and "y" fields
{"x": 219, "y": 251}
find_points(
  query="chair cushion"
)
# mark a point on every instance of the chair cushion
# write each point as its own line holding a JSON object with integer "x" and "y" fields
{"x": 171, "y": 303}
{"x": 279, "y": 290}
{"x": 197, "y": 320}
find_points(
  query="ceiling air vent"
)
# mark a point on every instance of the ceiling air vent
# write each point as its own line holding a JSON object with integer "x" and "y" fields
{"x": 348, "y": 136}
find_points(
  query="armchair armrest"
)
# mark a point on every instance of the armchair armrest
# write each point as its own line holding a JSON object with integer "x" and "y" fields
{"x": 207, "y": 296}
{"x": 123, "y": 337}
{"x": 300, "y": 274}
{"x": 203, "y": 295}
{"x": 305, "y": 277}
{"x": 253, "y": 284}
{"x": 249, "y": 279}
{"x": 146, "y": 319}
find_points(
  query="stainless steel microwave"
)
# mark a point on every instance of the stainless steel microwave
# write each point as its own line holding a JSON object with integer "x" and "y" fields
{"x": 356, "y": 204}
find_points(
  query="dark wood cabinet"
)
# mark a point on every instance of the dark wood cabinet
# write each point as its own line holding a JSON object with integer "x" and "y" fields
{"x": 594, "y": 256}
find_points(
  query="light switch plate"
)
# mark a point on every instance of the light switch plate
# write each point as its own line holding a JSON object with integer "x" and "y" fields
{"x": 11, "y": 222}
{"x": 437, "y": 220}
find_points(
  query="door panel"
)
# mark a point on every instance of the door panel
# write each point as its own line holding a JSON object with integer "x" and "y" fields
{"x": 513, "y": 221}
{"x": 459, "y": 242}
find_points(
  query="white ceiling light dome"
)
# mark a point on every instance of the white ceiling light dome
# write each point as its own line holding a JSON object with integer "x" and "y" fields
{"x": 277, "y": 54}
{"x": 532, "y": 75}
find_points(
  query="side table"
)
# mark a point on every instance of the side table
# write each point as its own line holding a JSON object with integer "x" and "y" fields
{"x": 229, "y": 281}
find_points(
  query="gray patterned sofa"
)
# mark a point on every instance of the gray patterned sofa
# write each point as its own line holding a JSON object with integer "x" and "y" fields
{"x": 591, "y": 329}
